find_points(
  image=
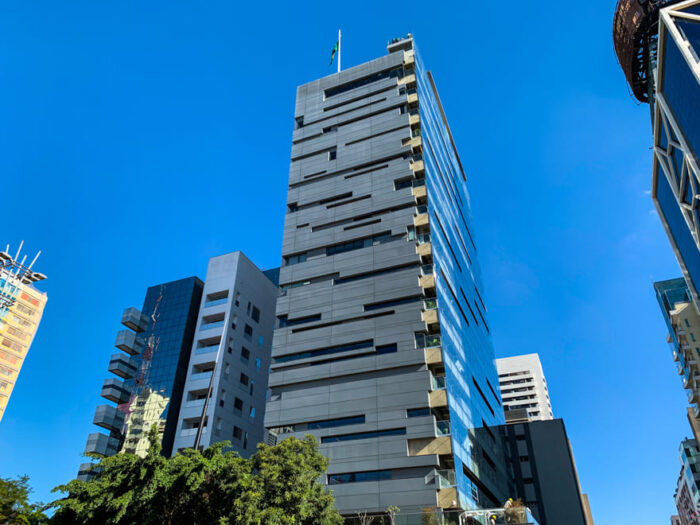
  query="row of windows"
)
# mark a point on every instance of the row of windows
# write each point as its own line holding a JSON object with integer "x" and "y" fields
{"x": 379, "y": 350}
{"x": 343, "y": 247}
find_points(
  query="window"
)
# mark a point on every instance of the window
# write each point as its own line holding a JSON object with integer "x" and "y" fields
{"x": 339, "y": 422}
{"x": 353, "y": 477}
{"x": 227, "y": 369}
{"x": 417, "y": 412}
{"x": 219, "y": 423}
{"x": 251, "y": 414}
{"x": 359, "y": 243}
{"x": 332, "y": 154}
{"x": 237, "y": 433}
{"x": 245, "y": 353}
{"x": 403, "y": 183}
{"x": 364, "y": 435}
{"x": 252, "y": 386}
{"x": 248, "y": 332}
{"x": 258, "y": 363}
{"x": 245, "y": 440}
{"x": 299, "y": 121}
{"x": 238, "y": 406}
{"x": 295, "y": 259}
{"x": 233, "y": 321}
{"x": 256, "y": 314}
{"x": 238, "y": 296}
{"x": 260, "y": 341}
{"x": 244, "y": 379}
{"x": 687, "y": 324}
{"x": 247, "y": 310}
{"x": 284, "y": 321}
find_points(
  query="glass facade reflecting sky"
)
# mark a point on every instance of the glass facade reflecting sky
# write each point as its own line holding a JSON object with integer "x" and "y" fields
{"x": 172, "y": 312}
{"x": 472, "y": 379}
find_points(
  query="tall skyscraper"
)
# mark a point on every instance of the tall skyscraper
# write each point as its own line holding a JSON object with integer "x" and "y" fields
{"x": 687, "y": 495}
{"x": 523, "y": 386}
{"x": 383, "y": 348}
{"x": 184, "y": 336}
{"x": 683, "y": 324}
{"x": 230, "y": 357}
{"x": 21, "y": 308}
{"x": 657, "y": 43}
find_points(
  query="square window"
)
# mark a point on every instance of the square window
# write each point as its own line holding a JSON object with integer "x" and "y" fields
{"x": 332, "y": 154}
{"x": 244, "y": 379}
{"x": 256, "y": 314}
{"x": 245, "y": 353}
{"x": 237, "y": 433}
{"x": 238, "y": 404}
{"x": 248, "y": 332}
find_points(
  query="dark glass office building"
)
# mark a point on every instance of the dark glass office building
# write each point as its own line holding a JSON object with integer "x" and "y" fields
{"x": 658, "y": 45}
{"x": 383, "y": 349}
{"x": 150, "y": 371}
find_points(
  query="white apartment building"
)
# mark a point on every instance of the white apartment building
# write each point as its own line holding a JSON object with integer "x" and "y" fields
{"x": 523, "y": 386}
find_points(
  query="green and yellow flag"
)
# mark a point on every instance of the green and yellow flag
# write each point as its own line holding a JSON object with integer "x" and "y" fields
{"x": 333, "y": 52}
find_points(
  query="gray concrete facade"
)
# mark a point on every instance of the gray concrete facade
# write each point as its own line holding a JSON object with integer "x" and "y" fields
{"x": 347, "y": 366}
{"x": 232, "y": 343}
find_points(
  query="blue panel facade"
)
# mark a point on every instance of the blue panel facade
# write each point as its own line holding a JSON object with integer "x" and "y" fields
{"x": 162, "y": 367}
{"x": 471, "y": 376}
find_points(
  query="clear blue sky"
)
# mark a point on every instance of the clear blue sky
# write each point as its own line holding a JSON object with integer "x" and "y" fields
{"x": 137, "y": 139}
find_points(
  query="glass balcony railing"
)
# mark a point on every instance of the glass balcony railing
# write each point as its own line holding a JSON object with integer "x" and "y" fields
{"x": 421, "y": 209}
{"x": 195, "y": 403}
{"x": 432, "y": 341}
{"x": 206, "y": 349}
{"x": 201, "y": 375}
{"x": 429, "y": 304}
{"x": 426, "y": 269}
{"x": 417, "y": 157}
{"x": 413, "y": 112}
{"x": 422, "y": 238}
{"x": 516, "y": 515}
{"x": 437, "y": 382}
{"x": 418, "y": 183}
{"x": 209, "y": 326}
{"x": 446, "y": 478}
{"x": 411, "y": 91}
{"x": 215, "y": 302}
{"x": 442, "y": 428}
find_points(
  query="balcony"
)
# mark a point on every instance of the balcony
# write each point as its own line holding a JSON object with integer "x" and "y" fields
{"x": 693, "y": 396}
{"x": 429, "y": 313}
{"x": 114, "y": 390}
{"x": 123, "y": 366}
{"x": 675, "y": 356}
{"x": 446, "y": 479}
{"x": 424, "y": 247}
{"x": 420, "y": 218}
{"x": 515, "y": 515}
{"x": 442, "y": 428}
{"x": 437, "y": 382}
{"x": 99, "y": 443}
{"x": 129, "y": 342}
{"x": 133, "y": 318}
{"x": 413, "y": 117}
{"x": 109, "y": 418}
{"x": 199, "y": 376}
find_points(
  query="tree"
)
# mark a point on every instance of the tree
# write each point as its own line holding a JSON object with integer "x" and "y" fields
{"x": 277, "y": 486}
{"x": 15, "y": 508}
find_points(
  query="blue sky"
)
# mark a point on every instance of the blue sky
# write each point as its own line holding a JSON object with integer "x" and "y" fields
{"x": 137, "y": 139}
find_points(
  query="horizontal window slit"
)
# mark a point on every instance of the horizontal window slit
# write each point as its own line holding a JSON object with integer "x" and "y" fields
{"x": 375, "y": 221}
{"x": 392, "y": 302}
{"x": 342, "y": 321}
{"x": 363, "y": 197}
{"x": 375, "y": 273}
{"x": 348, "y": 170}
{"x": 362, "y": 97}
{"x": 404, "y": 127}
{"x": 364, "y": 435}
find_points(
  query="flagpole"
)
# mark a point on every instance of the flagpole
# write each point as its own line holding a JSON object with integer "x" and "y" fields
{"x": 338, "y": 50}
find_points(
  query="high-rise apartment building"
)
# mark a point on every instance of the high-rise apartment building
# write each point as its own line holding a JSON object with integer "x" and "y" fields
{"x": 687, "y": 495}
{"x": 657, "y": 44}
{"x": 523, "y": 386}
{"x": 21, "y": 308}
{"x": 683, "y": 322}
{"x": 184, "y": 336}
{"x": 383, "y": 348}
{"x": 230, "y": 358}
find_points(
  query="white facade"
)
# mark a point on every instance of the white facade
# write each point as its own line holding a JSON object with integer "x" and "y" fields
{"x": 523, "y": 386}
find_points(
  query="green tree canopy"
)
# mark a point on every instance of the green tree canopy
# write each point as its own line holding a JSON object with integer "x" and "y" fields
{"x": 276, "y": 486}
{"x": 15, "y": 508}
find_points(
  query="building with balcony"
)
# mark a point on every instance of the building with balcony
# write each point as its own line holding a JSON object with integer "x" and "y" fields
{"x": 658, "y": 46}
{"x": 150, "y": 371}
{"x": 687, "y": 495}
{"x": 383, "y": 349}
{"x": 21, "y": 308}
{"x": 523, "y": 386}
{"x": 683, "y": 322}
{"x": 229, "y": 357}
